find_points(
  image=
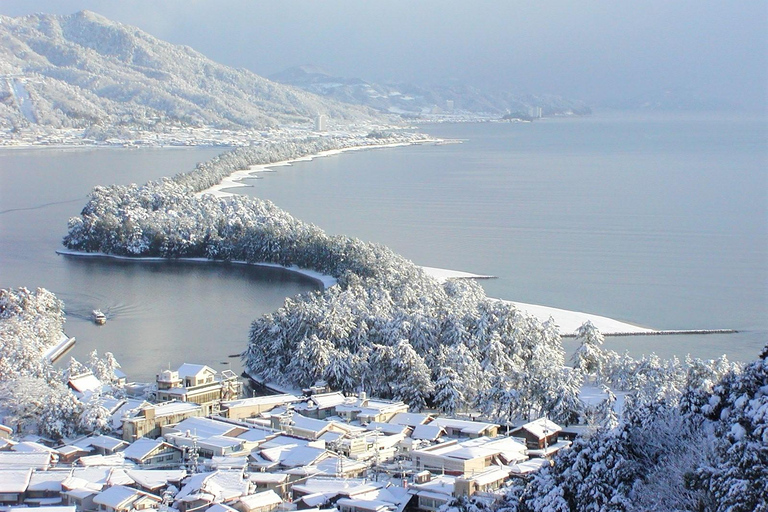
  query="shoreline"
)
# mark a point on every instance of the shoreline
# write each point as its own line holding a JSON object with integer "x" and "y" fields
{"x": 323, "y": 280}
{"x": 567, "y": 321}
{"x": 235, "y": 179}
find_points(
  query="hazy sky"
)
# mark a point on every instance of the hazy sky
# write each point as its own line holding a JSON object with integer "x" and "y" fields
{"x": 587, "y": 49}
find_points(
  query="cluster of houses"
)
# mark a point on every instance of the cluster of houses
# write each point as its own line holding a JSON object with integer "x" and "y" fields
{"x": 197, "y": 447}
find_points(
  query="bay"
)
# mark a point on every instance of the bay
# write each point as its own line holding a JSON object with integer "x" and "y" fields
{"x": 159, "y": 314}
{"x": 656, "y": 219}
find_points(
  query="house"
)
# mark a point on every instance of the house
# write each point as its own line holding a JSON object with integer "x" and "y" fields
{"x": 80, "y": 498}
{"x": 70, "y": 453}
{"x": 84, "y": 384}
{"x": 300, "y": 426}
{"x": 10, "y": 460}
{"x": 367, "y": 410}
{"x": 13, "y": 485}
{"x": 265, "y": 501}
{"x": 433, "y": 493}
{"x": 211, "y": 437}
{"x": 252, "y": 407}
{"x": 200, "y": 384}
{"x": 202, "y": 490}
{"x": 150, "y": 419}
{"x": 155, "y": 481}
{"x": 410, "y": 419}
{"x": 277, "y": 482}
{"x": 468, "y": 457}
{"x": 104, "y": 445}
{"x": 486, "y": 481}
{"x": 359, "y": 505}
{"x": 153, "y": 452}
{"x": 119, "y": 498}
{"x": 463, "y": 428}
{"x": 538, "y": 434}
{"x": 320, "y": 406}
{"x": 45, "y": 488}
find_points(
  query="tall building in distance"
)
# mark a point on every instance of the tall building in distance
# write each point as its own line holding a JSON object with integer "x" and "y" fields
{"x": 320, "y": 123}
{"x": 535, "y": 112}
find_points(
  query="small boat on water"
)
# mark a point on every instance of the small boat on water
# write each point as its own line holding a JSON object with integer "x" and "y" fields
{"x": 99, "y": 318}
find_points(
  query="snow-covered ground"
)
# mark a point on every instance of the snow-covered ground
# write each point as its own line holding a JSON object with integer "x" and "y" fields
{"x": 567, "y": 321}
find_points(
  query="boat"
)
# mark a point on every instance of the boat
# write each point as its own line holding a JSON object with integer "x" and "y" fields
{"x": 99, "y": 318}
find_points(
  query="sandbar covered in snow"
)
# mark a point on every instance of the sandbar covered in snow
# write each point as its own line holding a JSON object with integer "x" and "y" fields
{"x": 567, "y": 321}
{"x": 235, "y": 179}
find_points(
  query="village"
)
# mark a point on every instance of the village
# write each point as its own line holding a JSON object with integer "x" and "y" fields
{"x": 191, "y": 442}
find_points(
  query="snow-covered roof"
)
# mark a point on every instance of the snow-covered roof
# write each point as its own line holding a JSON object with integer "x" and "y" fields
{"x": 268, "y": 478}
{"x": 310, "y": 424}
{"x": 47, "y": 481}
{"x": 116, "y": 459}
{"x": 371, "y": 505}
{"x": 327, "y": 400}
{"x": 541, "y": 427}
{"x": 170, "y": 408}
{"x": 151, "y": 479}
{"x": 123, "y": 408}
{"x": 220, "y": 442}
{"x": 115, "y": 496}
{"x": 292, "y": 456}
{"x": 31, "y": 446}
{"x": 96, "y": 478}
{"x": 429, "y": 432}
{"x": 528, "y": 466}
{"x": 335, "y": 485}
{"x": 440, "y": 485}
{"x": 220, "y": 507}
{"x": 14, "y": 480}
{"x": 204, "y": 427}
{"x": 193, "y": 370}
{"x": 107, "y": 442}
{"x": 219, "y": 485}
{"x": 261, "y": 499}
{"x": 80, "y": 493}
{"x": 261, "y": 400}
{"x": 387, "y": 428}
{"x": 85, "y": 382}
{"x": 71, "y": 449}
{"x": 466, "y": 427}
{"x": 490, "y": 476}
{"x": 229, "y": 462}
{"x": 253, "y": 435}
{"x": 142, "y": 447}
{"x": 410, "y": 418}
{"x": 24, "y": 460}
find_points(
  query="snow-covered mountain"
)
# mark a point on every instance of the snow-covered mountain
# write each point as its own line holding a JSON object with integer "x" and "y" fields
{"x": 414, "y": 100}
{"x": 86, "y": 71}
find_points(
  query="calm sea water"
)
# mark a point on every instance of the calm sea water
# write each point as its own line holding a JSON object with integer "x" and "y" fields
{"x": 657, "y": 220}
{"x": 159, "y": 314}
{"x": 660, "y": 221}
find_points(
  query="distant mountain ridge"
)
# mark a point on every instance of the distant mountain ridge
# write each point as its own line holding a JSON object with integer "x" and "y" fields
{"x": 86, "y": 71}
{"x": 414, "y": 100}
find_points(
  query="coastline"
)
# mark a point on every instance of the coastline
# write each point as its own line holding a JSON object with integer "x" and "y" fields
{"x": 235, "y": 179}
{"x": 323, "y": 280}
{"x": 567, "y": 321}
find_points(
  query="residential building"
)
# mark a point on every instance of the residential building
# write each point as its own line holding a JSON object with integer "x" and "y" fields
{"x": 149, "y": 420}
{"x": 538, "y": 434}
{"x": 198, "y": 384}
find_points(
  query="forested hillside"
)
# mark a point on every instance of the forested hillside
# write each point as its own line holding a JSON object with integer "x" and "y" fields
{"x": 110, "y": 80}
